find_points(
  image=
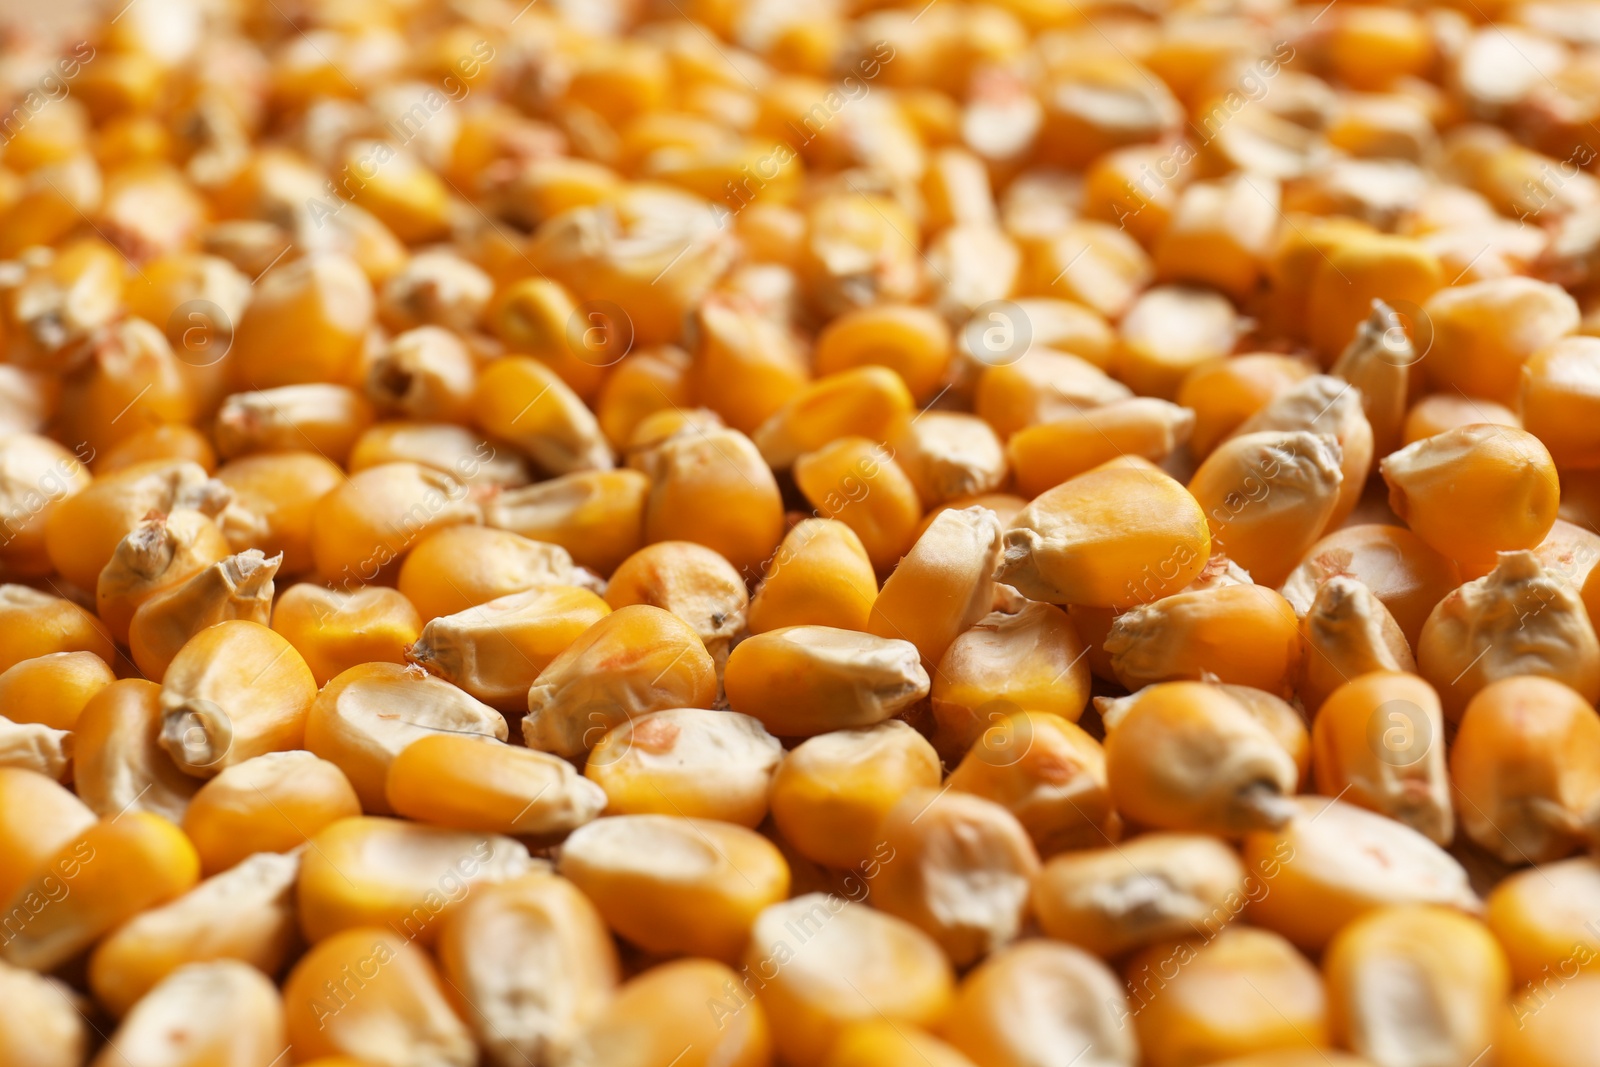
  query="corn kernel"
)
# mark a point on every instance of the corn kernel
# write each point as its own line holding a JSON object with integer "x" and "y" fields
{"x": 53, "y": 689}
{"x": 1481, "y": 336}
{"x": 712, "y": 487}
{"x": 36, "y": 624}
{"x": 305, "y": 323}
{"x": 858, "y": 482}
{"x": 274, "y": 503}
{"x": 663, "y": 1014}
{"x": 1042, "y": 386}
{"x": 271, "y": 803}
{"x": 326, "y": 419}
{"x": 1357, "y": 270}
{"x": 1347, "y": 633}
{"x": 1168, "y": 332}
{"x": 467, "y": 782}
{"x": 1223, "y": 392}
{"x": 597, "y": 516}
{"x": 1045, "y": 455}
{"x": 40, "y": 1025}
{"x": 806, "y": 680}
{"x": 36, "y": 475}
{"x": 1243, "y": 634}
{"x": 1325, "y": 405}
{"x": 119, "y": 763}
{"x": 235, "y": 588}
{"x": 518, "y": 400}
{"x": 361, "y": 528}
{"x": 1542, "y": 1030}
{"x": 1543, "y": 919}
{"x": 1402, "y": 571}
{"x": 689, "y": 580}
{"x": 159, "y": 553}
{"x": 460, "y": 567}
{"x": 942, "y": 586}
{"x": 334, "y": 630}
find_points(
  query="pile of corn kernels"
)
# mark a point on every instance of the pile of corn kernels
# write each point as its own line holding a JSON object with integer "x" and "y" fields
{"x": 744, "y": 533}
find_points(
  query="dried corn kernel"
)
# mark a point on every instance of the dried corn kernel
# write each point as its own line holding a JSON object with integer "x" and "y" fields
{"x": 271, "y": 803}
{"x": 1347, "y": 633}
{"x": 1242, "y": 634}
{"x": 806, "y": 680}
{"x": 52, "y": 690}
{"x": 819, "y": 575}
{"x": 460, "y": 567}
{"x": 1543, "y": 917}
{"x": 680, "y": 1009}
{"x": 334, "y": 630}
{"x": 235, "y": 588}
{"x": 692, "y": 582}
{"x": 1406, "y": 575}
{"x": 597, "y": 516}
{"x": 942, "y": 586}
{"x": 449, "y": 780}
{"x": 119, "y": 763}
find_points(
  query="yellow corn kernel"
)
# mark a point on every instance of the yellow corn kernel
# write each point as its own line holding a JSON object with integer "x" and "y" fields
{"x": 1406, "y": 575}
{"x": 663, "y": 1013}
{"x": 1347, "y": 632}
{"x": 962, "y": 872}
{"x": 819, "y": 575}
{"x": 444, "y": 447}
{"x": 1377, "y": 365}
{"x": 518, "y": 400}
{"x": 942, "y": 586}
{"x": 1334, "y": 862}
{"x": 134, "y": 381}
{"x": 1543, "y": 918}
{"x": 832, "y": 793}
{"x": 949, "y": 456}
{"x": 1040, "y": 387}
{"x": 36, "y": 624}
{"x": 691, "y": 762}
{"x": 1168, "y": 332}
{"x": 1378, "y": 742}
{"x": 912, "y": 341}
{"x": 436, "y": 287}
{"x": 1243, "y": 634}
{"x": 306, "y": 322}
{"x": 38, "y": 817}
{"x": 1090, "y": 263}
{"x": 467, "y": 782}
{"x": 868, "y": 401}
{"x": 806, "y": 680}
{"x": 459, "y": 567}
{"x": 886, "y": 1044}
{"x": 858, "y": 482}
{"x": 1045, "y": 455}
{"x": 246, "y": 913}
{"x": 52, "y": 689}
{"x": 1268, "y": 496}
{"x": 372, "y": 995}
{"x": 676, "y": 886}
{"x": 326, "y": 419}
{"x": 1116, "y": 535}
{"x": 1541, "y": 1029}
{"x": 1556, "y": 405}
{"x": 236, "y": 588}
{"x": 539, "y": 317}
{"x": 36, "y": 475}
{"x": 222, "y": 1012}
{"x": 271, "y": 803}
{"x": 746, "y": 365}
{"x": 712, "y": 488}
{"x": 362, "y": 527}
{"x": 1481, "y": 336}
{"x": 495, "y": 650}
{"x": 334, "y": 630}
{"x": 1526, "y": 761}
{"x": 49, "y": 203}
{"x": 1151, "y": 889}
{"x": 497, "y": 951}
{"x": 1201, "y": 1015}
{"x": 35, "y": 747}
{"x": 425, "y": 374}
{"x": 399, "y": 876}
{"x": 597, "y": 516}
{"x": 689, "y": 580}
{"x": 645, "y": 382}
{"x": 159, "y": 553}
{"x": 636, "y": 660}
{"x": 1221, "y": 233}
{"x": 1520, "y": 619}
{"x": 1223, "y": 392}
{"x": 275, "y": 497}
{"x": 856, "y": 964}
{"x": 114, "y": 870}
{"x": 1440, "y": 412}
{"x": 40, "y": 1023}
{"x": 854, "y": 258}
{"x": 1121, "y": 187}
{"x": 1423, "y": 955}
{"x": 1331, "y": 407}
{"x": 1357, "y": 270}
{"x": 1028, "y": 1002}
{"x": 118, "y": 761}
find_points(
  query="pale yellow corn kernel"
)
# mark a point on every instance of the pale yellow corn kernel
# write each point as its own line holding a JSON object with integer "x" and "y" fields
{"x": 435, "y": 287}
{"x": 1222, "y": 393}
{"x": 806, "y": 680}
{"x": 1031, "y": 1002}
{"x": 1406, "y": 575}
{"x": 497, "y": 649}
{"x": 1377, "y": 364}
{"x": 1221, "y": 233}
{"x": 831, "y": 793}
{"x": 869, "y": 401}
{"x": 268, "y": 804}
{"x": 425, "y": 374}
{"x": 34, "y": 747}
{"x": 113, "y": 870}
{"x": 1441, "y": 412}
{"x": 689, "y": 580}
{"x": 681, "y": 1009}
{"x": 1557, "y": 402}
{"x": 1526, "y": 764}
{"x": 1170, "y": 330}
{"x": 820, "y": 576}
{"x": 36, "y": 475}
{"x": 1045, "y": 455}
{"x": 1268, "y": 496}
{"x": 1481, "y": 336}
{"x": 1242, "y": 634}
{"x": 1166, "y": 770}
{"x": 855, "y": 964}
{"x": 118, "y": 760}
{"x": 275, "y": 495}
{"x": 162, "y": 551}
{"x": 949, "y": 455}
{"x": 597, "y": 516}
{"x": 518, "y": 399}
{"x": 693, "y": 762}
{"x": 942, "y": 586}
{"x": 711, "y": 487}
{"x": 1048, "y": 773}
{"x": 443, "y": 446}
{"x": 470, "y": 782}
{"x": 1091, "y": 263}
{"x": 645, "y": 383}
{"x": 1242, "y": 991}
{"x": 1326, "y": 405}
{"x": 398, "y": 876}
{"x": 1334, "y": 862}
{"x": 37, "y": 817}
{"x": 962, "y": 871}
{"x": 1543, "y": 917}
{"x": 41, "y": 1025}
{"x": 1041, "y": 386}
{"x": 1378, "y": 742}
{"x": 1518, "y": 619}
{"x": 1543, "y": 1030}
{"x": 366, "y": 716}
{"x": 245, "y": 914}
{"x": 858, "y": 482}
{"x": 1512, "y": 499}
{"x": 1357, "y": 269}
{"x": 1150, "y": 889}
{"x": 746, "y": 365}
{"x": 886, "y": 1044}
{"x": 36, "y": 624}
{"x": 532, "y": 963}
{"x": 1448, "y": 966}
{"x": 361, "y": 529}
{"x": 220, "y": 1013}
{"x": 371, "y": 995}
{"x": 235, "y": 588}
{"x": 306, "y": 323}
{"x": 459, "y": 567}
{"x": 1030, "y": 659}
{"x": 326, "y": 419}
{"x": 334, "y": 630}
{"x": 636, "y": 660}
{"x": 1347, "y": 633}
